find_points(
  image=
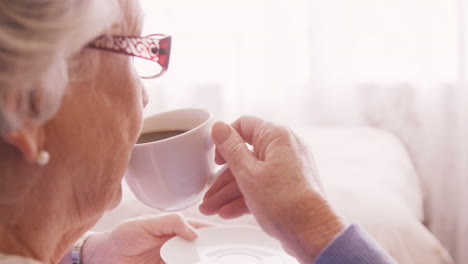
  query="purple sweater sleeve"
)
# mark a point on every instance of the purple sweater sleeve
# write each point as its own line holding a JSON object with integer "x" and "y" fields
{"x": 354, "y": 245}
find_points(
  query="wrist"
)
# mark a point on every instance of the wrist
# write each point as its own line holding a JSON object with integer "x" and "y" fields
{"x": 314, "y": 224}
{"x": 76, "y": 253}
{"x": 91, "y": 252}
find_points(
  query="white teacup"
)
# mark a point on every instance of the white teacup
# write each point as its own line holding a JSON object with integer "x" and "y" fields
{"x": 171, "y": 174}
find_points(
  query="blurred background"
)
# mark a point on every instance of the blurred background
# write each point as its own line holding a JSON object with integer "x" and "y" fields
{"x": 400, "y": 66}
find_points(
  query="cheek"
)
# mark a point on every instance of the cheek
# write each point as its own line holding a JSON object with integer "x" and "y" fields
{"x": 126, "y": 118}
{"x": 129, "y": 99}
{"x": 137, "y": 110}
{"x": 122, "y": 109}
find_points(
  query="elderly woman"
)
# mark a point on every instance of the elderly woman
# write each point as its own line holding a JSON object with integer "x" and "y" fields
{"x": 63, "y": 107}
{"x": 70, "y": 112}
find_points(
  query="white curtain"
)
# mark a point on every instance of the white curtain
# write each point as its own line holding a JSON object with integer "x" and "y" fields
{"x": 398, "y": 65}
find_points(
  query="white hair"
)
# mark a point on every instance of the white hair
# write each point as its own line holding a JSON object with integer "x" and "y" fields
{"x": 37, "y": 38}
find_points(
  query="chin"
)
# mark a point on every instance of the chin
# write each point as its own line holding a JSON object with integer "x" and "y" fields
{"x": 116, "y": 200}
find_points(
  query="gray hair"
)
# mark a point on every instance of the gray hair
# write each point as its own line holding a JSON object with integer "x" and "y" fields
{"x": 37, "y": 38}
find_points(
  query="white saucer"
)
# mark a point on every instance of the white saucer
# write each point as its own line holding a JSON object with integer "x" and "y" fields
{"x": 226, "y": 245}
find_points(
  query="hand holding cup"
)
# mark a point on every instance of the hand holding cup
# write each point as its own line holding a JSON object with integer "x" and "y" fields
{"x": 277, "y": 182}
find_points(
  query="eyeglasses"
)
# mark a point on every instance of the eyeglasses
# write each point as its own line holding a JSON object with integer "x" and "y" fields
{"x": 150, "y": 53}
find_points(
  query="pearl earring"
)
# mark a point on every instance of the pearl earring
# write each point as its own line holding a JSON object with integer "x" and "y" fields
{"x": 42, "y": 158}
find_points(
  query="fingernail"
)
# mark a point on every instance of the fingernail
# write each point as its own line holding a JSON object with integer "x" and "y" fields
{"x": 221, "y": 132}
{"x": 204, "y": 210}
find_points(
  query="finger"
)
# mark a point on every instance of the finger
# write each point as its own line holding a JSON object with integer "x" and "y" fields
{"x": 226, "y": 195}
{"x": 223, "y": 180}
{"x": 169, "y": 225}
{"x": 219, "y": 159}
{"x": 234, "y": 209}
{"x": 232, "y": 148}
{"x": 199, "y": 223}
{"x": 182, "y": 228}
{"x": 257, "y": 133}
{"x": 248, "y": 127}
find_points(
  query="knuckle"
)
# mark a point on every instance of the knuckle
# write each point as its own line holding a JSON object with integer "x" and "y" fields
{"x": 285, "y": 132}
{"x": 236, "y": 148}
{"x": 177, "y": 217}
{"x": 173, "y": 217}
{"x": 279, "y": 134}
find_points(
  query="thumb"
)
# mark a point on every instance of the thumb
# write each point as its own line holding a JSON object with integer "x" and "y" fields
{"x": 231, "y": 146}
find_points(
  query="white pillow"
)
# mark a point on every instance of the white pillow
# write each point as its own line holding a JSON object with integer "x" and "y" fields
{"x": 370, "y": 179}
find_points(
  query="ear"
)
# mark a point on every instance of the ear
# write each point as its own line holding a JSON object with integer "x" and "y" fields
{"x": 25, "y": 140}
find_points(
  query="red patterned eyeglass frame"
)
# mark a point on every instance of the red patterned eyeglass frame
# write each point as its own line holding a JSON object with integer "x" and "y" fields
{"x": 155, "y": 47}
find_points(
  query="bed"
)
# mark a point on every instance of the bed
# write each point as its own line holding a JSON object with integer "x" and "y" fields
{"x": 370, "y": 180}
